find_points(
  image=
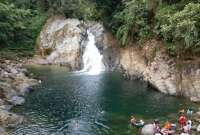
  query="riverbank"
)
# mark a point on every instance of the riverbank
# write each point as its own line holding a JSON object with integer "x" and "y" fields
{"x": 14, "y": 85}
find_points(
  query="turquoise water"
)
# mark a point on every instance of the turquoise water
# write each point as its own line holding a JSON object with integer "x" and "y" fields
{"x": 78, "y": 104}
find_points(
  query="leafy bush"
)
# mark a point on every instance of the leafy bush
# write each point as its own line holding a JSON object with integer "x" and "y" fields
{"x": 19, "y": 28}
{"x": 81, "y": 9}
{"x": 11, "y": 22}
{"x": 175, "y": 21}
{"x": 133, "y": 22}
{"x": 183, "y": 28}
{"x": 162, "y": 15}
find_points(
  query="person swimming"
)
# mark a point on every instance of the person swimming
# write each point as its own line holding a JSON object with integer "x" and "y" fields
{"x": 133, "y": 120}
{"x": 136, "y": 123}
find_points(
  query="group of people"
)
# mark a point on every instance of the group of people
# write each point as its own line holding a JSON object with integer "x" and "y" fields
{"x": 185, "y": 122}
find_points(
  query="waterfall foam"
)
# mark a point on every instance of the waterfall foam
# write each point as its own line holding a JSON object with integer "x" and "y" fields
{"x": 92, "y": 59}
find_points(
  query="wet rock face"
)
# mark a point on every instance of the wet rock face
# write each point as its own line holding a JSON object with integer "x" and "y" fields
{"x": 107, "y": 45}
{"x": 60, "y": 42}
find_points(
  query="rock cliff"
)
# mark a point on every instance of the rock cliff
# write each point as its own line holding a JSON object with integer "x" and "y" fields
{"x": 153, "y": 64}
{"x": 62, "y": 42}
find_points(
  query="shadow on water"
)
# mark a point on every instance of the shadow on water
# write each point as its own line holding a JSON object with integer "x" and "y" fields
{"x": 71, "y": 104}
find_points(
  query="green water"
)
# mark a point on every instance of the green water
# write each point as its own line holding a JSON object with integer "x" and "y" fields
{"x": 77, "y": 104}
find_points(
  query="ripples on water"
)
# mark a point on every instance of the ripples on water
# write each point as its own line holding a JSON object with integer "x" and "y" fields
{"x": 71, "y": 104}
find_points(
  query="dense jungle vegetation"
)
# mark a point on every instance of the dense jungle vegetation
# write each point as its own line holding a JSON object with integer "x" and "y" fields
{"x": 177, "y": 22}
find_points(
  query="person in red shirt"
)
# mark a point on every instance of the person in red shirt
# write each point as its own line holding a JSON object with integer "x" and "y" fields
{"x": 182, "y": 120}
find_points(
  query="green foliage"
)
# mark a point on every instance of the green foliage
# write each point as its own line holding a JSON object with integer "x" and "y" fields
{"x": 19, "y": 27}
{"x": 133, "y": 22}
{"x": 82, "y": 9}
{"x": 11, "y": 22}
{"x": 162, "y": 15}
{"x": 175, "y": 21}
{"x": 183, "y": 28}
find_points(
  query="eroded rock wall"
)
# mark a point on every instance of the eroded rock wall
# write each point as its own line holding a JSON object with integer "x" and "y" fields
{"x": 152, "y": 64}
{"x": 60, "y": 42}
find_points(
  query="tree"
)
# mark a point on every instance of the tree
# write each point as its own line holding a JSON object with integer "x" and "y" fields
{"x": 133, "y": 22}
{"x": 183, "y": 28}
{"x": 11, "y": 21}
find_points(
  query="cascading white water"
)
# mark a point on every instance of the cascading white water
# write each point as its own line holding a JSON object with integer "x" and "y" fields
{"x": 92, "y": 59}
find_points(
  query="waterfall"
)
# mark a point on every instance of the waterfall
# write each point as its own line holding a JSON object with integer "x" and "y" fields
{"x": 92, "y": 59}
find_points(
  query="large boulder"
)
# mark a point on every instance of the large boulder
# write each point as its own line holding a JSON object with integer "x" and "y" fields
{"x": 60, "y": 42}
{"x": 148, "y": 130}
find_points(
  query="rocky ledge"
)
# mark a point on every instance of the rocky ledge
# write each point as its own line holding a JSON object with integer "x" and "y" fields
{"x": 14, "y": 84}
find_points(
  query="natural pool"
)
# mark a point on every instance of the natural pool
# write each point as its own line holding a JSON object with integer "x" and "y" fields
{"x": 78, "y": 104}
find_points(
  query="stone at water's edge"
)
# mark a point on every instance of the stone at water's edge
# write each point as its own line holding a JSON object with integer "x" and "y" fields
{"x": 17, "y": 100}
{"x": 148, "y": 130}
{"x": 2, "y": 131}
{"x": 195, "y": 99}
{"x": 14, "y": 84}
{"x": 8, "y": 119}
